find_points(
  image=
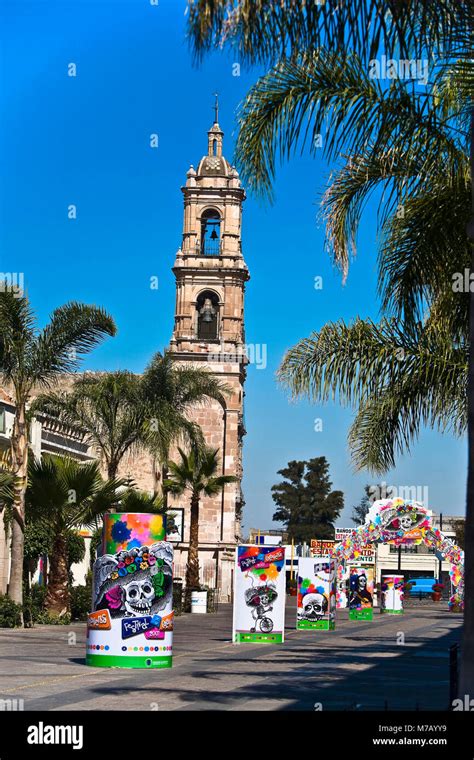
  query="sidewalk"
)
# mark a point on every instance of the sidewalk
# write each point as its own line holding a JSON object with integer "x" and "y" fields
{"x": 360, "y": 666}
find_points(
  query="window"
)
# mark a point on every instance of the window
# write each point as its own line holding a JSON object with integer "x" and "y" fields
{"x": 210, "y": 233}
{"x": 2, "y": 419}
{"x": 207, "y": 307}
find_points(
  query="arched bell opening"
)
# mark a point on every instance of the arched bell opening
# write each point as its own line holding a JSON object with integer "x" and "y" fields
{"x": 207, "y": 307}
{"x": 210, "y": 233}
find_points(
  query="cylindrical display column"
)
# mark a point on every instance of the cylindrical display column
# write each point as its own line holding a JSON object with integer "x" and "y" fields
{"x": 392, "y": 594}
{"x": 131, "y": 623}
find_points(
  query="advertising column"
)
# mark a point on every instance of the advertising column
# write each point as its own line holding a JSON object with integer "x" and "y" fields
{"x": 131, "y": 623}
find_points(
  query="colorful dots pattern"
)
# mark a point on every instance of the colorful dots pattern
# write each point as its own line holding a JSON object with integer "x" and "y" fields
{"x": 106, "y": 648}
{"x": 99, "y": 647}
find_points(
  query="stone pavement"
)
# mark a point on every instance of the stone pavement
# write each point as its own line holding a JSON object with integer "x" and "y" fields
{"x": 359, "y": 666}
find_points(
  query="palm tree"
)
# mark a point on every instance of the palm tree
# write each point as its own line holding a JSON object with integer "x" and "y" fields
{"x": 106, "y": 407}
{"x": 32, "y": 358}
{"x": 119, "y": 412}
{"x": 196, "y": 472}
{"x": 171, "y": 391}
{"x": 285, "y": 33}
{"x": 63, "y": 495}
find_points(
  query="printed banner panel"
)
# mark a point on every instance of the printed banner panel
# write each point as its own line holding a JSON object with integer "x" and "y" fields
{"x": 131, "y": 623}
{"x": 361, "y": 592}
{"x": 316, "y": 593}
{"x": 259, "y": 594}
{"x": 392, "y": 594}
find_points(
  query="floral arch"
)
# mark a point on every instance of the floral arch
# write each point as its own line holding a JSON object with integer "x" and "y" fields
{"x": 404, "y": 523}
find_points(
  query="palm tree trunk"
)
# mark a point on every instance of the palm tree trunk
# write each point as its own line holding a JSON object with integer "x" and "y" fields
{"x": 57, "y": 597}
{"x": 164, "y": 492}
{"x": 466, "y": 681}
{"x": 192, "y": 567}
{"x": 19, "y": 450}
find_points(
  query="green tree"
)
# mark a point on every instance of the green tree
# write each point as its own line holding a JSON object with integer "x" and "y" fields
{"x": 171, "y": 391}
{"x": 196, "y": 473}
{"x": 119, "y": 412}
{"x": 105, "y": 407}
{"x": 32, "y": 358}
{"x": 306, "y": 504}
{"x": 64, "y": 495}
{"x": 133, "y": 500}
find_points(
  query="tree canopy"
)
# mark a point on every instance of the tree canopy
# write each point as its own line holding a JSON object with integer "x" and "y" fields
{"x": 305, "y": 502}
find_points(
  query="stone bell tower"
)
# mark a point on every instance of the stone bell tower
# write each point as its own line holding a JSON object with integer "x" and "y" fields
{"x": 208, "y": 331}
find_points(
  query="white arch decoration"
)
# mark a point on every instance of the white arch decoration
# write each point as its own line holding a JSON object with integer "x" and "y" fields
{"x": 403, "y": 523}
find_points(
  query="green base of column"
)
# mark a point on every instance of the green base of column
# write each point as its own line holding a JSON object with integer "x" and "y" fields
{"x": 120, "y": 661}
{"x": 391, "y": 612}
{"x": 321, "y": 625}
{"x": 367, "y": 614}
{"x": 259, "y": 638}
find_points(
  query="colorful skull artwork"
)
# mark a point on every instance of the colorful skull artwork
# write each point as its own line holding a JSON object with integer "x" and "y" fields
{"x": 404, "y": 523}
{"x": 361, "y": 592}
{"x": 259, "y": 594}
{"x": 131, "y": 621}
{"x": 135, "y": 582}
{"x": 316, "y": 601}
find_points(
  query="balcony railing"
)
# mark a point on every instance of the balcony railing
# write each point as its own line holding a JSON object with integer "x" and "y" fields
{"x": 209, "y": 247}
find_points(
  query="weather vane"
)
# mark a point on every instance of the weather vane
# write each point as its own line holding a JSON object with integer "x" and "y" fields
{"x": 216, "y": 108}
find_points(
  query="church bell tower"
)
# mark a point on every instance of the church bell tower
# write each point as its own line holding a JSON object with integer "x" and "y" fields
{"x": 210, "y": 274}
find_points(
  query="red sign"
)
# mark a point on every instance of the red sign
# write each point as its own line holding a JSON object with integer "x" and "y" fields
{"x": 321, "y": 548}
{"x": 275, "y": 556}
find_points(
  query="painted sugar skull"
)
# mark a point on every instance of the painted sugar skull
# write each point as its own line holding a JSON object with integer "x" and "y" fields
{"x": 134, "y": 583}
{"x": 403, "y": 516}
{"x": 314, "y": 607}
{"x": 261, "y": 596}
{"x": 138, "y": 597}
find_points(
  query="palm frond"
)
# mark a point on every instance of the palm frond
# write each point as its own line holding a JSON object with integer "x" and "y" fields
{"x": 329, "y": 103}
{"x": 413, "y": 375}
{"x": 261, "y": 31}
{"x": 74, "y": 329}
{"x": 423, "y": 250}
{"x": 17, "y": 335}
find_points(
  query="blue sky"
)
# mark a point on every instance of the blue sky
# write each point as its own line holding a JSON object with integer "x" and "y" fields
{"x": 84, "y": 140}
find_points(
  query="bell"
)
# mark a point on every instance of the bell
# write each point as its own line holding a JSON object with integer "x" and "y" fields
{"x": 213, "y": 235}
{"x": 207, "y": 312}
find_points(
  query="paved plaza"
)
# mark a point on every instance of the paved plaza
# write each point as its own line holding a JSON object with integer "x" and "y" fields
{"x": 359, "y": 666}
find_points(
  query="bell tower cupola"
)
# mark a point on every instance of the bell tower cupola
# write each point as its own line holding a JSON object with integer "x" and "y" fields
{"x": 210, "y": 270}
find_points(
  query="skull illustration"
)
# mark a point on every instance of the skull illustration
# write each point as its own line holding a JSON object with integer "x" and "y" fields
{"x": 314, "y": 606}
{"x": 265, "y": 600}
{"x": 406, "y": 522}
{"x": 139, "y": 595}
